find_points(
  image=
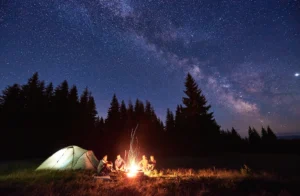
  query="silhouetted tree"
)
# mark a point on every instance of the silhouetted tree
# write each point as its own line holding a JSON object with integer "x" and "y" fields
{"x": 264, "y": 135}
{"x": 201, "y": 127}
{"x": 254, "y": 139}
{"x": 113, "y": 114}
{"x": 123, "y": 114}
{"x": 271, "y": 134}
{"x": 170, "y": 122}
{"x": 112, "y": 124}
{"x": 36, "y": 114}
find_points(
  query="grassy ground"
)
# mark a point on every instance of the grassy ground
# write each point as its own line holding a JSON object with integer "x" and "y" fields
{"x": 19, "y": 178}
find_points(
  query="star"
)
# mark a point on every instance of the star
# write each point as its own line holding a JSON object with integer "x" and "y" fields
{"x": 297, "y": 74}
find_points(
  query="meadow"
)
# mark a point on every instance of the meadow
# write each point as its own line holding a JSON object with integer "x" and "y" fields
{"x": 212, "y": 175}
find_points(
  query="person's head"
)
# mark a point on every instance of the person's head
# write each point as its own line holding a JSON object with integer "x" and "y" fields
{"x": 105, "y": 158}
{"x": 118, "y": 156}
{"x": 144, "y": 157}
{"x": 151, "y": 157}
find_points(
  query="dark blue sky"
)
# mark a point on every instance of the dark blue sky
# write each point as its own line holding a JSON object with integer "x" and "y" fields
{"x": 245, "y": 55}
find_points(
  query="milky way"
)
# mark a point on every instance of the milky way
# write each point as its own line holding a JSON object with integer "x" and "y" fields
{"x": 244, "y": 56}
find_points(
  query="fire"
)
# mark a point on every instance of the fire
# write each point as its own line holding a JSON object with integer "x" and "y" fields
{"x": 132, "y": 170}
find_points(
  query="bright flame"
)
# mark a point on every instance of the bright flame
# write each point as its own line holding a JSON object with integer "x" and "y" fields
{"x": 133, "y": 170}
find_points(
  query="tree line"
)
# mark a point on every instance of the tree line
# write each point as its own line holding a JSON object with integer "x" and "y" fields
{"x": 37, "y": 119}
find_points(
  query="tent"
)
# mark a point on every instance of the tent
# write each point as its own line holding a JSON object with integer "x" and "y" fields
{"x": 71, "y": 157}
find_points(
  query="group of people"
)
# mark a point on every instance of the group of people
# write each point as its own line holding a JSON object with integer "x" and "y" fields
{"x": 105, "y": 166}
{"x": 147, "y": 165}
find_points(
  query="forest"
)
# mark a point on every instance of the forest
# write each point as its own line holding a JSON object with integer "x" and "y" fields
{"x": 37, "y": 119}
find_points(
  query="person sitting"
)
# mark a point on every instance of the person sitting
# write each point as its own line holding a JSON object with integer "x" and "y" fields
{"x": 119, "y": 163}
{"x": 144, "y": 163}
{"x": 104, "y": 167}
{"x": 152, "y": 163}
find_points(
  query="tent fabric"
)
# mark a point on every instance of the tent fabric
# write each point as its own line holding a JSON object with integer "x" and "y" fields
{"x": 71, "y": 157}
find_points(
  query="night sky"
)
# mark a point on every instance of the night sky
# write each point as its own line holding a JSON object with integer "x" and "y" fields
{"x": 245, "y": 55}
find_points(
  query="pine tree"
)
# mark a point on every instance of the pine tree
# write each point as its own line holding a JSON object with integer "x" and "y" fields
{"x": 264, "y": 135}
{"x": 170, "y": 122}
{"x": 138, "y": 110}
{"x": 113, "y": 114}
{"x": 234, "y": 133}
{"x": 49, "y": 91}
{"x": 91, "y": 110}
{"x": 271, "y": 134}
{"x": 84, "y": 99}
{"x": 62, "y": 115}
{"x": 112, "y": 126}
{"x": 49, "y": 96}
{"x": 33, "y": 118}
{"x": 99, "y": 124}
{"x": 91, "y": 135}
{"x": 73, "y": 97}
{"x": 178, "y": 118}
{"x": 62, "y": 91}
{"x": 12, "y": 134}
{"x": 201, "y": 127}
{"x": 148, "y": 110}
{"x": 123, "y": 113}
{"x": 130, "y": 117}
{"x": 254, "y": 137}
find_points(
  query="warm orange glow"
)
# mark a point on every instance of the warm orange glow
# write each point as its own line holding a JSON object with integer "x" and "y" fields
{"x": 133, "y": 170}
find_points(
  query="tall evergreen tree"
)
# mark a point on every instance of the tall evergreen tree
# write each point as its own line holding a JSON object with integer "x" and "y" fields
{"x": 112, "y": 126}
{"x": 254, "y": 137}
{"x": 234, "y": 133}
{"x": 73, "y": 97}
{"x": 170, "y": 122}
{"x": 178, "y": 118}
{"x": 49, "y": 91}
{"x": 123, "y": 113}
{"x": 130, "y": 124}
{"x": 264, "y": 135}
{"x": 12, "y": 134}
{"x": 199, "y": 122}
{"x": 91, "y": 110}
{"x": 113, "y": 114}
{"x": 138, "y": 110}
{"x": 271, "y": 134}
{"x": 84, "y": 99}
{"x": 62, "y": 115}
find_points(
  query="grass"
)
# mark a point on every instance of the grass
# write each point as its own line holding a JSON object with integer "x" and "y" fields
{"x": 184, "y": 181}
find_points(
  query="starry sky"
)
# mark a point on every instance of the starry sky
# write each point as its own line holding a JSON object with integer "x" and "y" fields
{"x": 245, "y": 55}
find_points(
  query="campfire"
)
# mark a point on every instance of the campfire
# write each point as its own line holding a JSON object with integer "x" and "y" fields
{"x": 133, "y": 170}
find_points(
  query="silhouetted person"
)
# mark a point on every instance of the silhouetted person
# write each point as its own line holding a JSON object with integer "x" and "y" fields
{"x": 104, "y": 167}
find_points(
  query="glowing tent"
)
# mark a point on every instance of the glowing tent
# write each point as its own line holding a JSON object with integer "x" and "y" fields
{"x": 71, "y": 157}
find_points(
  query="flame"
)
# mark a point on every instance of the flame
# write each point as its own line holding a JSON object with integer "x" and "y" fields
{"x": 132, "y": 154}
{"x": 133, "y": 170}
